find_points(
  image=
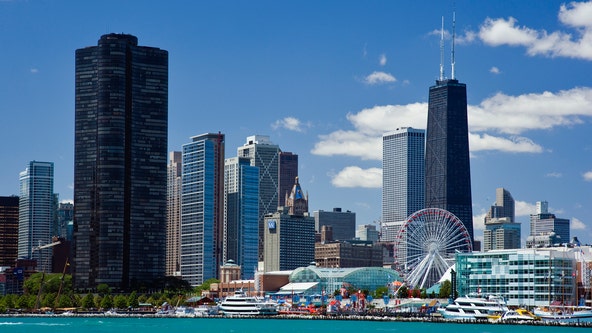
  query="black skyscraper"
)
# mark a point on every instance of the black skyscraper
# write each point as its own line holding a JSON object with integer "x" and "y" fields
{"x": 120, "y": 172}
{"x": 448, "y": 171}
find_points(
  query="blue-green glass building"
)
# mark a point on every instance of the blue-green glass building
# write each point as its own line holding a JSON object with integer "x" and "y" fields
{"x": 524, "y": 277}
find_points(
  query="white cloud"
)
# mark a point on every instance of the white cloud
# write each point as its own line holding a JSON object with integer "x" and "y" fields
{"x": 382, "y": 59}
{"x": 379, "y": 78}
{"x": 554, "y": 175}
{"x": 349, "y": 143}
{"x": 514, "y": 144}
{"x": 517, "y": 114}
{"x": 576, "y": 15}
{"x": 479, "y": 222}
{"x": 34, "y": 70}
{"x": 494, "y": 70}
{"x": 289, "y": 123}
{"x": 523, "y": 208}
{"x": 588, "y": 176}
{"x": 354, "y": 176}
{"x": 576, "y": 224}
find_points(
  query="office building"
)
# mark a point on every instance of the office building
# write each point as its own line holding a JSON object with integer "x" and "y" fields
{"x": 524, "y": 277}
{"x": 65, "y": 216}
{"x": 202, "y": 208}
{"x": 173, "y": 245}
{"x": 447, "y": 165}
{"x": 9, "y": 226}
{"x": 241, "y": 218}
{"x": 342, "y": 222}
{"x": 503, "y": 206}
{"x": 120, "y": 169}
{"x": 265, "y": 155}
{"x": 289, "y": 234}
{"x": 547, "y": 224}
{"x": 288, "y": 171}
{"x": 36, "y": 213}
{"x": 349, "y": 253}
{"x": 501, "y": 231}
{"x": 403, "y": 172}
{"x": 367, "y": 232}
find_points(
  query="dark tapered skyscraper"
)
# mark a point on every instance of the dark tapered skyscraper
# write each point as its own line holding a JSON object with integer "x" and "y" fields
{"x": 120, "y": 171}
{"x": 448, "y": 171}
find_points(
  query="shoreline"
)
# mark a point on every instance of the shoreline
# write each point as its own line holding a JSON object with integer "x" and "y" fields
{"x": 341, "y": 317}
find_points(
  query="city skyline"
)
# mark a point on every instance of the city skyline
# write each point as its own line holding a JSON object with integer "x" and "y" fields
{"x": 325, "y": 82}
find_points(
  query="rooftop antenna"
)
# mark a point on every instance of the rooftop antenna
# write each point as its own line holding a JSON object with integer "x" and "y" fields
{"x": 442, "y": 51}
{"x": 453, "y": 38}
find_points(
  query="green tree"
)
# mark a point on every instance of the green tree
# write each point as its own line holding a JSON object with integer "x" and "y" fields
{"x": 9, "y": 301}
{"x": 25, "y": 301}
{"x": 403, "y": 292}
{"x": 88, "y": 302}
{"x": 120, "y": 302}
{"x": 107, "y": 302}
{"x": 65, "y": 301}
{"x": 48, "y": 300}
{"x": 103, "y": 289}
{"x": 132, "y": 300}
{"x": 379, "y": 292}
{"x": 445, "y": 289}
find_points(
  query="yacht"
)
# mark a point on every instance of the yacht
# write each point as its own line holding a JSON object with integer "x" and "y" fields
{"x": 565, "y": 314}
{"x": 241, "y": 304}
{"x": 518, "y": 315}
{"x": 472, "y": 308}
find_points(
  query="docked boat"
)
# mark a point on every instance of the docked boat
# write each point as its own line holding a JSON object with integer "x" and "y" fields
{"x": 241, "y": 304}
{"x": 518, "y": 315}
{"x": 473, "y": 308}
{"x": 565, "y": 314}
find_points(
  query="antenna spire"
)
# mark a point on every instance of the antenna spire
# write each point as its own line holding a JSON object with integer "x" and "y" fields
{"x": 453, "y": 39}
{"x": 442, "y": 51}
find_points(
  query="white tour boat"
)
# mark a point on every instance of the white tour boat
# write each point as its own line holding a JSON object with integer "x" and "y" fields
{"x": 472, "y": 308}
{"x": 241, "y": 304}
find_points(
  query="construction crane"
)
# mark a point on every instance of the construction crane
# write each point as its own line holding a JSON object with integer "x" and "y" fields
{"x": 38, "y": 248}
{"x": 41, "y": 247}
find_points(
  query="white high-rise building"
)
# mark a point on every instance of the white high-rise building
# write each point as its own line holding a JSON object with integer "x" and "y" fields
{"x": 36, "y": 212}
{"x": 402, "y": 174}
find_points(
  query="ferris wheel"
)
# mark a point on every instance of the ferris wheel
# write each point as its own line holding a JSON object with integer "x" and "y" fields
{"x": 426, "y": 243}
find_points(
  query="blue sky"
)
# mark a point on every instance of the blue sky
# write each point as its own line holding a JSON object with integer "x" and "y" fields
{"x": 325, "y": 79}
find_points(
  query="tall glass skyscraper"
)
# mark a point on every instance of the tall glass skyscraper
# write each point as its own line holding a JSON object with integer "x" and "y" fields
{"x": 447, "y": 165}
{"x": 9, "y": 223}
{"x": 120, "y": 168}
{"x": 241, "y": 218}
{"x": 288, "y": 171}
{"x": 266, "y": 156}
{"x": 402, "y": 173}
{"x": 36, "y": 212}
{"x": 202, "y": 208}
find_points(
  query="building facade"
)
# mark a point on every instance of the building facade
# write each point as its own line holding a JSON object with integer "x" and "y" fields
{"x": 288, "y": 171}
{"x": 501, "y": 231}
{"x": 9, "y": 226}
{"x": 544, "y": 223}
{"x": 241, "y": 217}
{"x": 367, "y": 232}
{"x": 173, "y": 244}
{"x": 202, "y": 208}
{"x": 447, "y": 165}
{"x": 36, "y": 213}
{"x": 343, "y": 223}
{"x": 351, "y": 253}
{"x": 524, "y": 277}
{"x": 403, "y": 173}
{"x": 120, "y": 169}
{"x": 266, "y": 156}
{"x": 289, "y": 236}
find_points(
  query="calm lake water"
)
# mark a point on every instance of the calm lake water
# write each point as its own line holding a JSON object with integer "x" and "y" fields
{"x": 238, "y": 325}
